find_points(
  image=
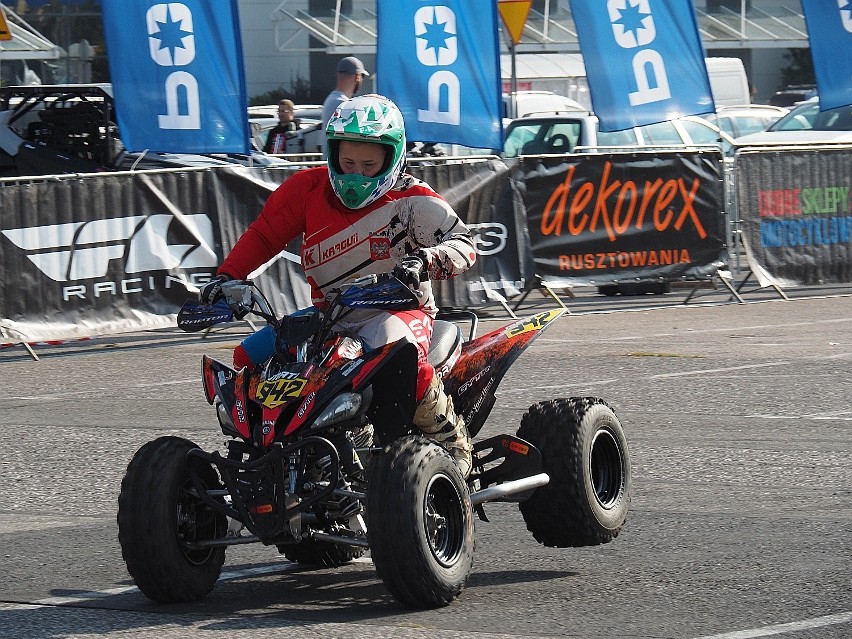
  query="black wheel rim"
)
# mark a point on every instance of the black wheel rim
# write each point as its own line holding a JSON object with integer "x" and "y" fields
{"x": 605, "y": 468}
{"x": 195, "y": 522}
{"x": 444, "y": 522}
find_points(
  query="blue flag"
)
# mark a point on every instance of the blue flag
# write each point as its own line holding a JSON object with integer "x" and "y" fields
{"x": 644, "y": 60}
{"x": 177, "y": 75}
{"x": 440, "y": 64}
{"x": 829, "y": 24}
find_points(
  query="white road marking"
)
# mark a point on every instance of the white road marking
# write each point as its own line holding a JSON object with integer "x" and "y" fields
{"x": 723, "y": 329}
{"x": 704, "y": 371}
{"x": 176, "y": 382}
{"x": 17, "y": 522}
{"x": 572, "y": 385}
{"x": 784, "y": 628}
{"x": 839, "y": 356}
{"x": 817, "y": 416}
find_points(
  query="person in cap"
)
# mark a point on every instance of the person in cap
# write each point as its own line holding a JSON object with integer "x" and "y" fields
{"x": 350, "y": 75}
{"x": 362, "y": 214}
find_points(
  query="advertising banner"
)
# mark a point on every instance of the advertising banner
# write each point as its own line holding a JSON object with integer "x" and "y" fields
{"x": 177, "y": 75}
{"x": 796, "y": 214}
{"x": 113, "y": 253}
{"x": 829, "y": 25}
{"x": 486, "y": 198}
{"x": 644, "y": 61}
{"x": 440, "y": 64}
{"x": 603, "y": 219}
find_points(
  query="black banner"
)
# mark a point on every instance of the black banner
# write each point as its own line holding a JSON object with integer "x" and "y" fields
{"x": 97, "y": 254}
{"x": 239, "y": 195}
{"x": 796, "y": 214}
{"x": 610, "y": 218}
{"x": 107, "y": 253}
{"x": 487, "y": 201}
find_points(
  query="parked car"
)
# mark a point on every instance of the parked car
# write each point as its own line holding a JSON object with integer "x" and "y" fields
{"x": 806, "y": 123}
{"x": 308, "y": 139}
{"x": 308, "y": 113}
{"x": 531, "y": 102}
{"x": 744, "y": 119}
{"x": 792, "y": 95}
{"x": 580, "y": 132}
{"x": 262, "y": 119}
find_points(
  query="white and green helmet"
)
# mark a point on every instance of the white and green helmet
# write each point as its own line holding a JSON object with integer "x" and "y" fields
{"x": 366, "y": 118}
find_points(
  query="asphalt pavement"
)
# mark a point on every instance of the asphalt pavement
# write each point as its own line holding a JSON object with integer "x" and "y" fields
{"x": 738, "y": 418}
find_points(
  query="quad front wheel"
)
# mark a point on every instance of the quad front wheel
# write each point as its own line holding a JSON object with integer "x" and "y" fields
{"x": 161, "y": 519}
{"x": 420, "y": 523}
{"x": 585, "y": 452}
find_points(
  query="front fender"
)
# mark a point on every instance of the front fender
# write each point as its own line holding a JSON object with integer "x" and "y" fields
{"x": 392, "y": 372}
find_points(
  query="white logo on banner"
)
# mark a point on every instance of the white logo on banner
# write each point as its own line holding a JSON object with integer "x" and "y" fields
{"x": 84, "y": 250}
{"x": 437, "y": 46}
{"x": 171, "y": 43}
{"x": 633, "y": 27}
{"x": 845, "y": 14}
{"x": 489, "y": 238}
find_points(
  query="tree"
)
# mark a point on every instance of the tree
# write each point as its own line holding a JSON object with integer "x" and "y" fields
{"x": 299, "y": 92}
{"x": 800, "y": 69}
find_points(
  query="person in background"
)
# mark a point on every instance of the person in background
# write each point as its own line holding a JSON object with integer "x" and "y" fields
{"x": 286, "y": 128}
{"x": 361, "y": 214}
{"x": 350, "y": 75}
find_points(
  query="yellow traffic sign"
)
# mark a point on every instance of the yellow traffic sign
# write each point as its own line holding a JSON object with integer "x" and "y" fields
{"x": 5, "y": 34}
{"x": 514, "y": 14}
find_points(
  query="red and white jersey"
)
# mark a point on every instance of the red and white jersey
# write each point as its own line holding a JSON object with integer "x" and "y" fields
{"x": 339, "y": 243}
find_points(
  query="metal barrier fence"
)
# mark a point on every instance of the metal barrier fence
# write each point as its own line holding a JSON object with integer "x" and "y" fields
{"x": 794, "y": 213}
{"x": 100, "y": 253}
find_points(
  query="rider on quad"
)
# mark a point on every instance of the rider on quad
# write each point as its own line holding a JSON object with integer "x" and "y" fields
{"x": 359, "y": 215}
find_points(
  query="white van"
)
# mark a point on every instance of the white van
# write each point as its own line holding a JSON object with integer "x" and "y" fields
{"x": 728, "y": 81}
{"x": 565, "y": 73}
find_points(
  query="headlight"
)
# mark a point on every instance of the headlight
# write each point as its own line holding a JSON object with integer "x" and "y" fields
{"x": 341, "y": 407}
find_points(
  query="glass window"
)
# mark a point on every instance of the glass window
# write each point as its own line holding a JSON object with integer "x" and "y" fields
{"x": 540, "y": 138}
{"x": 617, "y": 138}
{"x": 661, "y": 133}
{"x": 562, "y": 137}
{"x": 727, "y": 124}
{"x": 519, "y": 137}
{"x": 752, "y": 124}
{"x": 799, "y": 119}
{"x": 699, "y": 133}
{"x": 839, "y": 119}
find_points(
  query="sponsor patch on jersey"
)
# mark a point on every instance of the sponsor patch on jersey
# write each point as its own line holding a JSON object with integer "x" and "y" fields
{"x": 379, "y": 248}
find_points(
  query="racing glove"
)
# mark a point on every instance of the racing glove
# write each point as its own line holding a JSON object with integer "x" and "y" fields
{"x": 211, "y": 292}
{"x": 411, "y": 270}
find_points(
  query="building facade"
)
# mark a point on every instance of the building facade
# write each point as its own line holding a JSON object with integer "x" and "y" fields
{"x": 295, "y": 44}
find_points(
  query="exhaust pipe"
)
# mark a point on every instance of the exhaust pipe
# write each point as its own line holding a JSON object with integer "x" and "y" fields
{"x": 508, "y": 488}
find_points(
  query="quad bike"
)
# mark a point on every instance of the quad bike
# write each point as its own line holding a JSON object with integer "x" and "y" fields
{"x": 324, "y": 463}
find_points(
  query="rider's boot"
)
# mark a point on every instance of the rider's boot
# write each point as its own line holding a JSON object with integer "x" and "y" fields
{"x": 436, "y": 418}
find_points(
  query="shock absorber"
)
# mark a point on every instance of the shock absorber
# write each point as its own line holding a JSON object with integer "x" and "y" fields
{"x": 293, "y": 472}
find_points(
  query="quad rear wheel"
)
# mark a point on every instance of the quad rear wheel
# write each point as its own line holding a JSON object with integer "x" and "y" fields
{"x": 160, "y": 518}
{"x": 585, "y": 452}
{"x": 420, "y": 523}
